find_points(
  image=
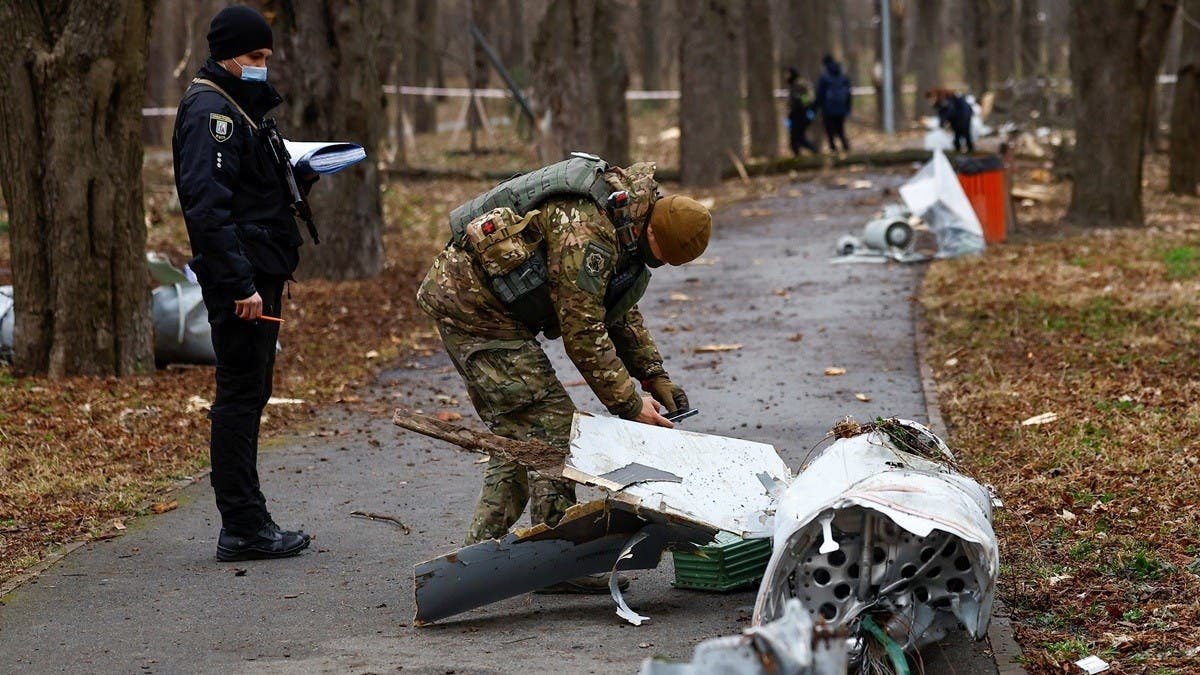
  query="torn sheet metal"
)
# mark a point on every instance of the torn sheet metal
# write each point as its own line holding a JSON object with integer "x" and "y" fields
{"x": 938, "y": 198}
{"x": 182, "y": 333}
{"x": 721, "y": 480}
{"x": 614, "y": 584}
{"x": 589, "y": 540}
{"x": 869, "y": 526}
{"x": 6, "y": 323}
{"x": 790, "y": 645}
{"x": 879, "y": 541}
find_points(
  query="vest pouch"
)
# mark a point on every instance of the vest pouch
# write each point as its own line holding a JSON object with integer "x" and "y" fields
{"x": 500, "y": 240}
{"x": 525, "y": 292}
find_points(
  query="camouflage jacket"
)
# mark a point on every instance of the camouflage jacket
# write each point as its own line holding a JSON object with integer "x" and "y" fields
{"x": 581, "y": 254}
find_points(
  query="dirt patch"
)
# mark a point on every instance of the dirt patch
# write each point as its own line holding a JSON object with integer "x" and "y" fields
{"x": 1099, "y": 534}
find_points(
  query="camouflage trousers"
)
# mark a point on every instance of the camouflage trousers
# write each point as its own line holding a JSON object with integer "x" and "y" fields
{"x": 516, "y": 392}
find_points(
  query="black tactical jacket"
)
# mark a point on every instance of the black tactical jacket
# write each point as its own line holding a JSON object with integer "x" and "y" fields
{"x": 235, "y": 202}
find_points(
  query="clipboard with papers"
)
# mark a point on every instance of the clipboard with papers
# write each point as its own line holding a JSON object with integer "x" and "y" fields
{"x": 323, "y": 158}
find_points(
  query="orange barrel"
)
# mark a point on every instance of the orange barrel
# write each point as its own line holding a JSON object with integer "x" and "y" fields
{"x": 985, "y": 180}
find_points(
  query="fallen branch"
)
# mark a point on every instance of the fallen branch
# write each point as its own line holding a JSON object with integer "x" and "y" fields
{"x": 532, "y": 453}
{"x": 385, "y": 518}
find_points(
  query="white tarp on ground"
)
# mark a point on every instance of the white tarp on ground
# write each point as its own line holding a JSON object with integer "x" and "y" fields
{"x": 728, "y": 483}
{"x": 937, "y": 197}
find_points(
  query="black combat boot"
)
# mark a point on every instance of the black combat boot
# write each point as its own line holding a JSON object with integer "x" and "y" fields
{"x": 268, "y": 542}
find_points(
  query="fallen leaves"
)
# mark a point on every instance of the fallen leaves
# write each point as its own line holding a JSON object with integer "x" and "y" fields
{"x": 679, "y": 297}
{"x": 862, "y": 397}
{"x": 714, "y": 348}
{"x": 163, "y": 507}
{"x": 1084, "y": 334}
{"x": 449, "y": 416}
{"x": 834, "y": 371}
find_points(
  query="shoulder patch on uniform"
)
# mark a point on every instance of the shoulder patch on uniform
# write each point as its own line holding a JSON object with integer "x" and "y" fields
{"x": 220, "y": 126}
{"x": 596, "y": 261}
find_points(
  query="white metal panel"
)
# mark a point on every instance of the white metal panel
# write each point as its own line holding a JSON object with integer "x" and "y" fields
{"x": 726, "y": 483}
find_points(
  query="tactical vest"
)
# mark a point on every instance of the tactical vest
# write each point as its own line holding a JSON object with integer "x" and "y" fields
{"x": 525, "y": 291}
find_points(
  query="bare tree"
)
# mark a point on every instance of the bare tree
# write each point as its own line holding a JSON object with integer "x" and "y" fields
{"x": 808, "y": 35}
{"x": 71, "y": 94}
{"x": 1004, "y": 40}
{"x": 326, "y": 59}
{"x": 650, "y": 61}
{"x": 513, "y": 48}
{"x": 976, "y": 56}
{"x": 611, "y": 78}
{"x": 562, "y": 79}
{"x": 709, "y": 107}
{"x": 927, "y": 52}
{"x": 1031, "y": 39}
{"x": 1116, "y": 47}
{"x": 1185, "y": 123}
{"x": 760, "y": 79}
{"x": 424, "y": 57}
{"x": 1057, "y": 22}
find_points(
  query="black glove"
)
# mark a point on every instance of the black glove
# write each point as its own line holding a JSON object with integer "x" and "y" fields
{"x": 666, "y": 392}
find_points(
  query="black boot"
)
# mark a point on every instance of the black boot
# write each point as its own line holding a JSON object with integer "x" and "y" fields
{"x": 268, "y": 542}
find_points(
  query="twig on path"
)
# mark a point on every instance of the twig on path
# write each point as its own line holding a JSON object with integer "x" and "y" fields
{"x": 383, "y": 517}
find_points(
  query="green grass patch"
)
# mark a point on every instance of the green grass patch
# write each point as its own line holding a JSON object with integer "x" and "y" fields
{"x": 1183, "y": 262}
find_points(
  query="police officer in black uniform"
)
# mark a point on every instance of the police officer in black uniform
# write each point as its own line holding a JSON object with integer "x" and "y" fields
{"x": 238, "y": 209}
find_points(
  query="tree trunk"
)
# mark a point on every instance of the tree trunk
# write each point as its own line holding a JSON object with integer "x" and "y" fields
{"x": 850, "y": 46}
{"x": 424, "y": 65}
{"x": 1057, "y": 23}
{"x": 1031, "y": 39}
{"x": 562, "y": 80}
{"x": 513, "y": 48}
{"x": 71, "y": 93}
{"x": 807, "y": 35}
{"x": 650, "y": 16}
{"x": 481, "y": 68}
{"x": 1185, "y": 123}
{"x": 707, "y": 105}
{"x": 326, "y": 68}
{"x": 760, "y": 79}
{"x": 611, "y": 78}
{"x": 1004, "y": 41}
{"x": 976, "y": 57}
{"x": 927, "y": 53}
{"x": 1115, "y": 52}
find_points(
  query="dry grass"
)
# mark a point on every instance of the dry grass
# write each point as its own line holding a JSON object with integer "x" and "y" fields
{"x": 1100, "y": 535}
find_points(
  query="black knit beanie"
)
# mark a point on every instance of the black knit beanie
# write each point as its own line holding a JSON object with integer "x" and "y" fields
{"x": 238, "y": 30}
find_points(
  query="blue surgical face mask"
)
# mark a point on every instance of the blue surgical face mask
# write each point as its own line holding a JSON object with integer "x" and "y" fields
{"x": 253, "y": 73}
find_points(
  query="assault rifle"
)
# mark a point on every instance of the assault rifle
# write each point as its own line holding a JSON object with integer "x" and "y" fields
{"x": 283, "y": 162}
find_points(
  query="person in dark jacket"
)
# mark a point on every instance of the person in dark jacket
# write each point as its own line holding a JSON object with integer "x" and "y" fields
{"x": 954, "y": 111}
{"x": 245, "y": 241}
{"x": 800, "y": 113}
{"x": 835, "y": 102}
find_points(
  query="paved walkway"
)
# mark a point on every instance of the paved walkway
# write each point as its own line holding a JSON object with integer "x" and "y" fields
{"x": 155, "y": 600}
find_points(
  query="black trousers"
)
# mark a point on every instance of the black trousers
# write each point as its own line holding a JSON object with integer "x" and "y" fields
{"x": 798, "y": 135}
{"x": 245, "y": 366}
{"x": 962, "y": 137}
{"x": 835, "y": 128}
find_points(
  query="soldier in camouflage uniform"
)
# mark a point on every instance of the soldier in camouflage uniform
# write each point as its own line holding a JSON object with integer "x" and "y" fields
{"x": 511, "y": 382}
